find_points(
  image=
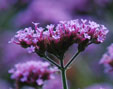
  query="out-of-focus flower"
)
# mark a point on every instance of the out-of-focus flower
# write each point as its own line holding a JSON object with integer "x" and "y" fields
{"x": 32, "y": 73}
{"x": 57, "y": 40}
{"x": 74, "y": 5}
{"x": 49, "y": 11}
{"x": 42, "y": 10}
{"x": 53, "y": 84}
{"x": 100, "y": 86}
{"x": 107, "y": 59}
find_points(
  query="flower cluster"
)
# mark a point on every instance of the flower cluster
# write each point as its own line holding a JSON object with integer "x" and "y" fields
{"x": 107, "y": 59}
{"x": 32, "y": 73}
{"x": 57, "y": 39}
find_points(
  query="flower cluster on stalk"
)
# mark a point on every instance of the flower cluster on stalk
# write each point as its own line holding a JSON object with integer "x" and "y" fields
{"x": 107, "y": 59}
{"x": 32, "y": 73}
{"x": 57, "y": 39}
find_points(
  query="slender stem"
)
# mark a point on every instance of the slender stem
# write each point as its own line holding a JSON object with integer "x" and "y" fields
{"x": 50, "y": 60}
{"x": 63, "y": 72}
{"x": 64, "y": 80}
{"x": 72, "y": 59}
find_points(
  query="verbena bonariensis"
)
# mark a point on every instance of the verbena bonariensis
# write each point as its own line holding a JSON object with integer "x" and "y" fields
{"x": 107, "y": 59}
{"x": 57, "y": 39}
{"x": 32, "y": 73}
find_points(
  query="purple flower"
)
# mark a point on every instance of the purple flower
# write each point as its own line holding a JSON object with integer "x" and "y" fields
{"x": 34, "y": 13}
{"x": 57, "y": 39}
{"x": 32, "y": 72}
{"x": 107, "y": 59}
{"x": 31, "y": 49}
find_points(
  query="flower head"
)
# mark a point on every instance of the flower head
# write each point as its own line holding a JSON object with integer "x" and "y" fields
{"x": 107, "y": 59}
{"x": 57, "y": 39}
{"x": 32, "y": 73}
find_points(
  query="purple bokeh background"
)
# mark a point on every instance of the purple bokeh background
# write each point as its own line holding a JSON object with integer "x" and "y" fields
{"x": 18, "y": 14}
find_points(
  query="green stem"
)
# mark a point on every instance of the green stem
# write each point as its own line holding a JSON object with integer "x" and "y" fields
{"x": 64, "y": 80}
{"x": 63, "y": 68}
{"x": 71, "y": 60}
{"x": 63, "y": 72}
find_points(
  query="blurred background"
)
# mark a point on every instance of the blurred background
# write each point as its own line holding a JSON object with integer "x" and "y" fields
{"x": 86, "y": 72}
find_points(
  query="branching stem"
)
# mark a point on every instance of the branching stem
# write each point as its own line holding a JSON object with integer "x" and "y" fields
{"x": 72, "y": 59}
